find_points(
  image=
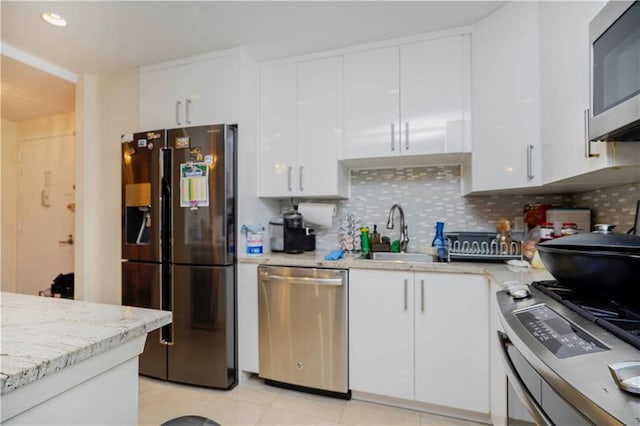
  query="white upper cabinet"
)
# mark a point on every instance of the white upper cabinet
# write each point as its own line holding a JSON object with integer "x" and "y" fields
{"x": 300, "y": 136}
{"x": 190, "y": 92}
{"x": 565, "y": 63}
{"x": 530, "y": 98}
{"x": 278, "y": 152}
{"x": 411, "y": 99}
{"x": 506, "y": 99}
{"x": 434, "y": 96}
{"x": 372, "y": 103}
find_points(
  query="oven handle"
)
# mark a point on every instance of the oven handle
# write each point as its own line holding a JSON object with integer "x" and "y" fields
{"x": 523, "y": 393}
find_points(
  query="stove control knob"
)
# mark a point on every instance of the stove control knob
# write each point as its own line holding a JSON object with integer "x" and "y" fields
{"x": 518, "y": 290}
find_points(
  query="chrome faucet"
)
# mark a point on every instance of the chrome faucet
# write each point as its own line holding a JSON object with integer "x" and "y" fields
{"x": 404, "y": 235}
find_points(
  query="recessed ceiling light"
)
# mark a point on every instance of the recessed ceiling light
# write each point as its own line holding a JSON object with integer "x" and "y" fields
{"x": 54, "y": 19}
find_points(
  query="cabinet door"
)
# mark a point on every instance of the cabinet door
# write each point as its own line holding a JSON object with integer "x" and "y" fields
{"x": 319, "y": 127}
{"x": 212, "y": 92}
{"x": 506, "y": 99}
{"x": 451, "y": 340}
{"x": 381, "y": 332}
{"x": 277, "y": 134}
{"x": 564, "y": 64}
{"x": 372, "y": 103}
{"x": 162, "y": 100}
{"x": 432, "y": 77}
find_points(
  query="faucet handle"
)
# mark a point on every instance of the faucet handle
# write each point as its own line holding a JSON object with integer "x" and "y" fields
{"x": 404, "y": 238}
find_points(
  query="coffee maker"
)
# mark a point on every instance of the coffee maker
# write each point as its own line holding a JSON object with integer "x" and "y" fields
{"x": 296, "y": 238}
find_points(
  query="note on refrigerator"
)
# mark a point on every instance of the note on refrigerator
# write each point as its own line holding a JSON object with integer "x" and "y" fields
{"x": 194, "y": 185}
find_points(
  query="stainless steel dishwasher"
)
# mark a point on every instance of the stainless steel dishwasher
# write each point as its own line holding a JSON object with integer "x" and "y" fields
{"x": 302, "y": 316}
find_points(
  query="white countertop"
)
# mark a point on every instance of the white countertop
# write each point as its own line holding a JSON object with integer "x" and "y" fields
{"x": 43, "y": 335}
{"x": 499, "y": 272}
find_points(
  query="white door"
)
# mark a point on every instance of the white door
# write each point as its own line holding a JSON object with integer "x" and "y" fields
{"x": 506, "y": 99}
{"x": 278, "y": 153}
{"x": 452, "y": 340}
{"x": 46, "y": 205}
{"x": 372, "y": 103}
{"x": 319, "y": 126}
{"x": 432, "y": 96}
{"x": 381, "y": 332}
{"x": 212, "y": 90}
{"x": 162, "y": 99}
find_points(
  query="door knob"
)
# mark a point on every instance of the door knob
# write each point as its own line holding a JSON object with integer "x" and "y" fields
{"x": 67, "y": 241}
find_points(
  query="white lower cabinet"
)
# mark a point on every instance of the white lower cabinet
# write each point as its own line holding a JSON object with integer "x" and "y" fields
{"x": 420, "y": 336}
{"x": 381, "y": 332}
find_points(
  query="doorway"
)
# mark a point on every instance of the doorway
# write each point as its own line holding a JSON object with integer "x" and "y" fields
{"x": 46, "y": 211}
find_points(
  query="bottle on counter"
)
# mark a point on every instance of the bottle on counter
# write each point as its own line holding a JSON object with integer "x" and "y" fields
{"x": 439, "y": 242}
{"x": 364, "y": 240}
{"x": 569, "y": 228}
{"x": 374, "y": 238}
{"x": 503, "y": 236}
{"x": 547, "y": 231}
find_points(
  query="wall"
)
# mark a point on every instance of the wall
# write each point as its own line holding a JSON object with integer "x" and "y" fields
{"x": 616, "y": 205}
{"x": 430, "y": 194}
{"x": 8, "y": 203}
{"x": 107, "y": 107}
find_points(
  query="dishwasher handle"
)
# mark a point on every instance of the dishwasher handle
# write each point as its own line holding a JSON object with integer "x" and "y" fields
{"x": 302, "y": 280}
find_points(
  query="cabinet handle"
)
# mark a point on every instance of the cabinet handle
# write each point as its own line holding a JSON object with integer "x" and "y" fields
{"x": 187, "y": 111}
{"x": 301, "y": 169}
{"x": 587, "y": 142}
{"x": 406, "y": 302}
{"x": 406, "y": 135}
{"x": 289, "y": 169}
{"x": 393, "y": 137}
{"x": 529, "y": 159}
{"x": 178, "y": 103}
{"x": 422, "y": 295}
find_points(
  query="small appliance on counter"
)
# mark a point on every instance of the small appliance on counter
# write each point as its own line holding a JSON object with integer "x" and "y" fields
{"x": 289, "y": 234}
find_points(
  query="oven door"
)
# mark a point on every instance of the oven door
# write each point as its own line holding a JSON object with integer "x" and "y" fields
{"x": 522, "y": 407}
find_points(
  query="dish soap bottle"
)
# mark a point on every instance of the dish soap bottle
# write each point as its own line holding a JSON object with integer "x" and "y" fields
{"x": 364, "y": 241}
{"x": 439, "y": 242}
{"x": 374, "y": 237}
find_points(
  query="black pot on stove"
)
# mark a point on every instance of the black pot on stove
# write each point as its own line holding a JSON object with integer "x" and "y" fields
{"x": 599, "y": 263}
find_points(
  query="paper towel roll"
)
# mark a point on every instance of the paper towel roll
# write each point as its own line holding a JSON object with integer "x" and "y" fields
{"x": 317, "y": 213}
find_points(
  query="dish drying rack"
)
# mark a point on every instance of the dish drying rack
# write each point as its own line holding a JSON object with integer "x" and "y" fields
{"x": 481, "y": 247}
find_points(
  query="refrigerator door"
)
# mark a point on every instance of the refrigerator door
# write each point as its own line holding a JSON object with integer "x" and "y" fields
{"x": 141, "y": 288}
{"x": 141, "y": 196}
{"x": 203, "y": 194}
{"x": 203, "y": 351}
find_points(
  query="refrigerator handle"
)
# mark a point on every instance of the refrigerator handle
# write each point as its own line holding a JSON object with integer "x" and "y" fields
{"x": 166, "y": 303}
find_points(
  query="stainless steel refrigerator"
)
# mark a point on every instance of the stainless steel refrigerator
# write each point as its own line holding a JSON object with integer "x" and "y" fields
{"x": 178, "y": 249}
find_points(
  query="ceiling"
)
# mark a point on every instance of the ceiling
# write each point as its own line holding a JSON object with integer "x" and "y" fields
{"x": 104, "y": 37}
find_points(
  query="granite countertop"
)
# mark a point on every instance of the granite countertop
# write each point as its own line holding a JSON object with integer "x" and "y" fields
{"x": 42, "y": 335}
{"x": 499, "y": 272}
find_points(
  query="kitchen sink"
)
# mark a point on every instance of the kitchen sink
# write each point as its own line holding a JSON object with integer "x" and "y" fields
{"x": 402, "y": 257}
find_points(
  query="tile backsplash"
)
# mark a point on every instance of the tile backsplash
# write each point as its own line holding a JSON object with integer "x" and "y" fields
{"x": 430, "y": 194}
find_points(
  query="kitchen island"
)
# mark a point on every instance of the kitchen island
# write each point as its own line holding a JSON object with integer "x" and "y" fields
{"x": 71, "y": 362}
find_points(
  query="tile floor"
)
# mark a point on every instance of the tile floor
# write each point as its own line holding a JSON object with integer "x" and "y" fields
{"x": 255, "y": 403}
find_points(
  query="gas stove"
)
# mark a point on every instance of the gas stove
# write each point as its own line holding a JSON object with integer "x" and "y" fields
{"x": 583, "y": 352}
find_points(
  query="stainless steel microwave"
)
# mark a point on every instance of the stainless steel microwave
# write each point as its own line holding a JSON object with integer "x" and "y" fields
{"x": 614, "y": 35}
